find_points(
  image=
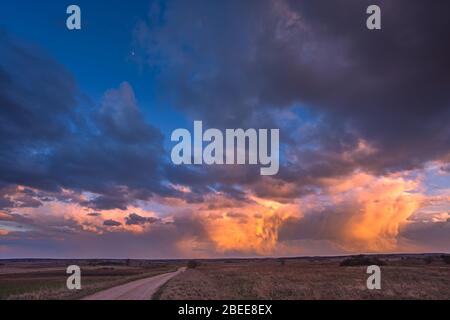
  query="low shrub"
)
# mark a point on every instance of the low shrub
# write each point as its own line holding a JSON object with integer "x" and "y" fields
{"x": 192, "y": 264}
{"x": 361, "y": 261}
{"x": 446, "y": 259}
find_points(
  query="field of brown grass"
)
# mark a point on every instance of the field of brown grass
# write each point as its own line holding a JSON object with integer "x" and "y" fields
{"x": 403, "y": 277}
{"x": 46, "y": 279}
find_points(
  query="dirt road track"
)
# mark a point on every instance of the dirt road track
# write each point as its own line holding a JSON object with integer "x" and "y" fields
{"x": 137, "y": 290}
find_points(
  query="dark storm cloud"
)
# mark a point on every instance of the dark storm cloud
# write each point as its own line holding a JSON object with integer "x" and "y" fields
{"x": 135, "y": 219}
{"x": 230, "y": 62}
{"x": 5, "y": 203}
{"x": 123, "y": 161}
{"x": 37, "y": 95}
{"x": 321, "y": 225}
{"x": 435, "y": 235}
{"x": 203, "y": 180}
{"x": 37, "y": 99}
{"x": 13, "y": 196}
{"x": 25, "y": 198}
{"x": 190, "y": 226}
{"x": 161, "y": 241}
{"x": 111, "y": 223}
{"x": 236, "y": 64}
{"x": 17, "y": 218}
{"x": 51, "y": 138}
{"x": 94, "y": 214}
{"x": 396, "y": 88}
{"x": 197, "y": 47}
{"x": 107, "y": 202}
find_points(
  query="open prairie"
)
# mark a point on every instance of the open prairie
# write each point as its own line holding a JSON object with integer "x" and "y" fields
{"x": 423, "y": 276}
{"x": 46, "y": 279}
{"x": 402, "y": 277}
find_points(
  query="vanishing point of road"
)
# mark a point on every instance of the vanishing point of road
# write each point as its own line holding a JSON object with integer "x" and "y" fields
{"x": 142, "y": 289}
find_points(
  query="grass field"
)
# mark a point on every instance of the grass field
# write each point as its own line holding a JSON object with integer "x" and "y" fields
{"x": 403, "y": 277}
{"x": 46, "y": 280}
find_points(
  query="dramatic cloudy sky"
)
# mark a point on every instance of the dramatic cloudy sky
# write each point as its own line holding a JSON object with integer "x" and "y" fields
{"x": 86, "y": 118}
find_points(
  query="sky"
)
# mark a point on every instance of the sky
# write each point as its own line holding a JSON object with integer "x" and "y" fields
{"x": 86, "y": 118}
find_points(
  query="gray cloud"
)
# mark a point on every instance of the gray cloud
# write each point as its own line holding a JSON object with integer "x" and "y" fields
{"x": 51, "y": 138}
{"x": 135, "y": 219}
{"x": 111, "y": 223}
{"x": 160, "y": 242}
{"x": 232, "y": 64}
{"x": 389, "y": 88}
{"x": 94, "y": 214}
{"x": 434, "y": 235}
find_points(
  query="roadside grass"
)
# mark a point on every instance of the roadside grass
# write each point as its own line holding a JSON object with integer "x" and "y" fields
{"x": 307, "y": 280}
{"x": 35, "y": 285}
{"x": 158, "y": 294}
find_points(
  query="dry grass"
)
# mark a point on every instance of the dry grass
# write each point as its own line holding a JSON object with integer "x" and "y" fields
{"x": 308, "y": 279}
{"x": 37, "y": 281}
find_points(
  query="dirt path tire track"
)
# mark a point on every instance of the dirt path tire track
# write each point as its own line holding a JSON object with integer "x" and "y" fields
{"x": 136, "y": 290}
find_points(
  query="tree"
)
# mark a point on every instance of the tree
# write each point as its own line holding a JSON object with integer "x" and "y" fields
{"x": 192, "y": 264}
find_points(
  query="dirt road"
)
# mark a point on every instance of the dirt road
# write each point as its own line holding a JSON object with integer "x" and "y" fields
{"x": 137, "y": 290}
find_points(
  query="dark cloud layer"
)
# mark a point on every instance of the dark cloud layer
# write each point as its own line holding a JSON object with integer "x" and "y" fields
{"x": 134, "y": 219}
{"x": 436, "y": 235}
{"x": 389, "y": 87}
{"x": 51, "y": 138}
{"x": 72, "y": 241}
{"x": 345, "y": 98}
{"x": 111, "y": 223}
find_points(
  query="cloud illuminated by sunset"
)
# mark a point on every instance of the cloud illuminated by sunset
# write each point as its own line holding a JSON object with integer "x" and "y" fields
{"x": 85, "y": 167}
